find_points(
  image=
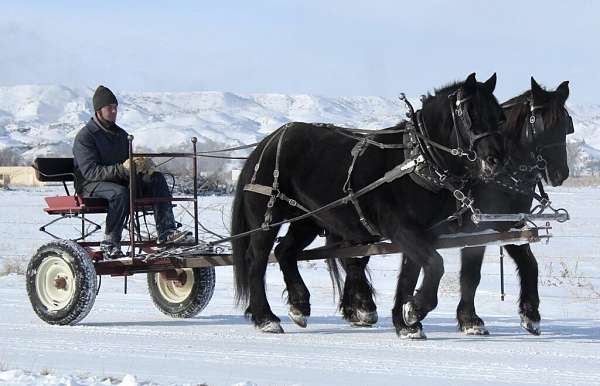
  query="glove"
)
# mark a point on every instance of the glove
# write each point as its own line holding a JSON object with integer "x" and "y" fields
{"x": 143, "y": 165}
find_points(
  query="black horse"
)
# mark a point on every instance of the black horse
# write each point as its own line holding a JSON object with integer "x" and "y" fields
{"x": 535, "y": 151}
{"x": 535, "y": 141}
{"x": 309, "y": 164}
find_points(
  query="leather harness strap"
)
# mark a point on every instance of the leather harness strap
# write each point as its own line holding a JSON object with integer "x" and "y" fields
{"x": 268, "y": 191}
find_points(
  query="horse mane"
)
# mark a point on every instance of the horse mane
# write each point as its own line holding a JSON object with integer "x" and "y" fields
{"x": 445, "y": 90}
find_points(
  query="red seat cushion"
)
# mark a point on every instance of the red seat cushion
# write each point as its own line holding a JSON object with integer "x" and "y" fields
{"x": 75, "y": 204}
{"x": 78, "y": 204}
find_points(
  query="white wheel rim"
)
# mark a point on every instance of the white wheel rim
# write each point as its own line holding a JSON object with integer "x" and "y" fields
{"x": 172, "y": 291}
{"x": 55, "y": 283}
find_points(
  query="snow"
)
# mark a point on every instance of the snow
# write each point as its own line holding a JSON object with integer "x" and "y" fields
{"x": 43, "y": 120}
{"x": 124, "y": 340}
{"x": 20, "y": 377}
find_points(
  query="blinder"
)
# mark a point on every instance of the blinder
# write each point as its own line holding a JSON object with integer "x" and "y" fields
{"x": 535, "y": 126}
{"x": 570, "y": 128}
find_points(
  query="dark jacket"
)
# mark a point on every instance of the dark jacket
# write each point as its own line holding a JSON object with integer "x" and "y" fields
{"x": 98, "y": 154}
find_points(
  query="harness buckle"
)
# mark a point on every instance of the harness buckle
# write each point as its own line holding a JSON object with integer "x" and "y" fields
{"x": 276, "y": 173}
{"x": 471, "y": 155}
{"x": 540, "y": 163}
{"x": 460, "y": 196}
{"x": 456, "y": 152}
{"x": 532, "y": 119}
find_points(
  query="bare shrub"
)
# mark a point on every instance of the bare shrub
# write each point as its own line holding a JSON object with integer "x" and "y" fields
{"x": 581, "y": 181}
{"x": 574, "y": 150}
{"x": 212, "y": 175}
{"x": 565, "y": 275}
{"x": 45, "y": 371}
{"x": 17, "y": 264}
{"x": 9, "y": 157}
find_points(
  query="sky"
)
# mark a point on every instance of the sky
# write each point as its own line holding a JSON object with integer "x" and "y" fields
{"x": 330, "y": 48}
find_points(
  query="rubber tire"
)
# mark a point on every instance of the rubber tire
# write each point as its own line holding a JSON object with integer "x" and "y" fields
{"x": 84, "y": 274}
{"x": 199, "y": 297}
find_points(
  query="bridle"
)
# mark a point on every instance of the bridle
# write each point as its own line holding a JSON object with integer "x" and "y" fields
{"x": 532, "y": 130}
{"x": 460, "y": 112}
{"x": 524, "y": 177}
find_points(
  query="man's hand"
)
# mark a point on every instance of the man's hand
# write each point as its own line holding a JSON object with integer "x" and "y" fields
{"x": 143, "y": 165}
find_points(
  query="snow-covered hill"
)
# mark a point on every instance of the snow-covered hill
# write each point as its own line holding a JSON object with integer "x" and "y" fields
{"x": 42, "y": 120}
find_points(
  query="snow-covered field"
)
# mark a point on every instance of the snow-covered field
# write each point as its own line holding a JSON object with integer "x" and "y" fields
{"x": 125, "y": 340}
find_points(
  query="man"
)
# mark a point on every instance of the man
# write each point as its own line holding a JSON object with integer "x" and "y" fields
{"x": 101, "y": 152}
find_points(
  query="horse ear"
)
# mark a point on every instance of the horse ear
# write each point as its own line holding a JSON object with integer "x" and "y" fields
{"x": 563, "y": 90}
{"x": 470, "y": 83}
{"x": 490, "y": 84}
{"x": 535, "y": 87}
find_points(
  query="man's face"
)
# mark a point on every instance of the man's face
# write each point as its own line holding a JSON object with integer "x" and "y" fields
{"x": 109, "y": 113}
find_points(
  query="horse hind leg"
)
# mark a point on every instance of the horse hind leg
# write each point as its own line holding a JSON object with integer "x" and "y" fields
{"x": 529, "y": 300}
{"x": 357, "y": 304}
{"x": 470, "y": 275}
{"x": 259, "y": 310}
{"x": 299, "y": 236}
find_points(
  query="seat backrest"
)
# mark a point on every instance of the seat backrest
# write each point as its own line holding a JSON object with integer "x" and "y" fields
{"x": 54, "y": 169}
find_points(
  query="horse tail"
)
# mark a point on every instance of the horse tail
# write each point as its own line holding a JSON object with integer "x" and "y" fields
{"x": 240, "y": 246}
{"x": 337, "y": 281}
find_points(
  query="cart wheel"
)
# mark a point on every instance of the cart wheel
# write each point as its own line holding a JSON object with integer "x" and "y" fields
{"x": 185, "y": 296}
{"x": 61, "y": 282}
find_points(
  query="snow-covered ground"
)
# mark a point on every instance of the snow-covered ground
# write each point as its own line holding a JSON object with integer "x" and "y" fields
{"x": 124, "y": 340}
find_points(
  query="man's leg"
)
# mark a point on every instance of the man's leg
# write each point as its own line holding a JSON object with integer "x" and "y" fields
{"x": 118, "y": 208}
{"x": 156, "y": 186}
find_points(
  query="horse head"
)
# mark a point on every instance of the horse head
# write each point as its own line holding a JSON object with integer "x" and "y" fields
{"x": 539, "y": 124}
{"x": 471, "y": 117}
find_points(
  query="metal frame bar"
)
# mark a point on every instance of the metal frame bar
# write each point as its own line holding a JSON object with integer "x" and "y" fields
{"x": 204, "y": 259}
{"x": 64, "y": 216}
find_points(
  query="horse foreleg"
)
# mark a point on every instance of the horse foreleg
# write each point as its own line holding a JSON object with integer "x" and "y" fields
{"x": 470, "y": 276}
{"x": 529, "y": 300}
{"x": 420, "y": 250}
{"x": 405, "y": 289}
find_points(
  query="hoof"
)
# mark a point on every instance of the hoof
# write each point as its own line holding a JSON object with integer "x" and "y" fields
{"x": 297, "y": 317}
{"x": 271, "y": 327}
{"x": 530, "y": 326}
{"x": 362, "y": 318}
{"x": 474, "y": 330}
{"x": 414, "y": 333}
{"x": 409, "y": 314}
